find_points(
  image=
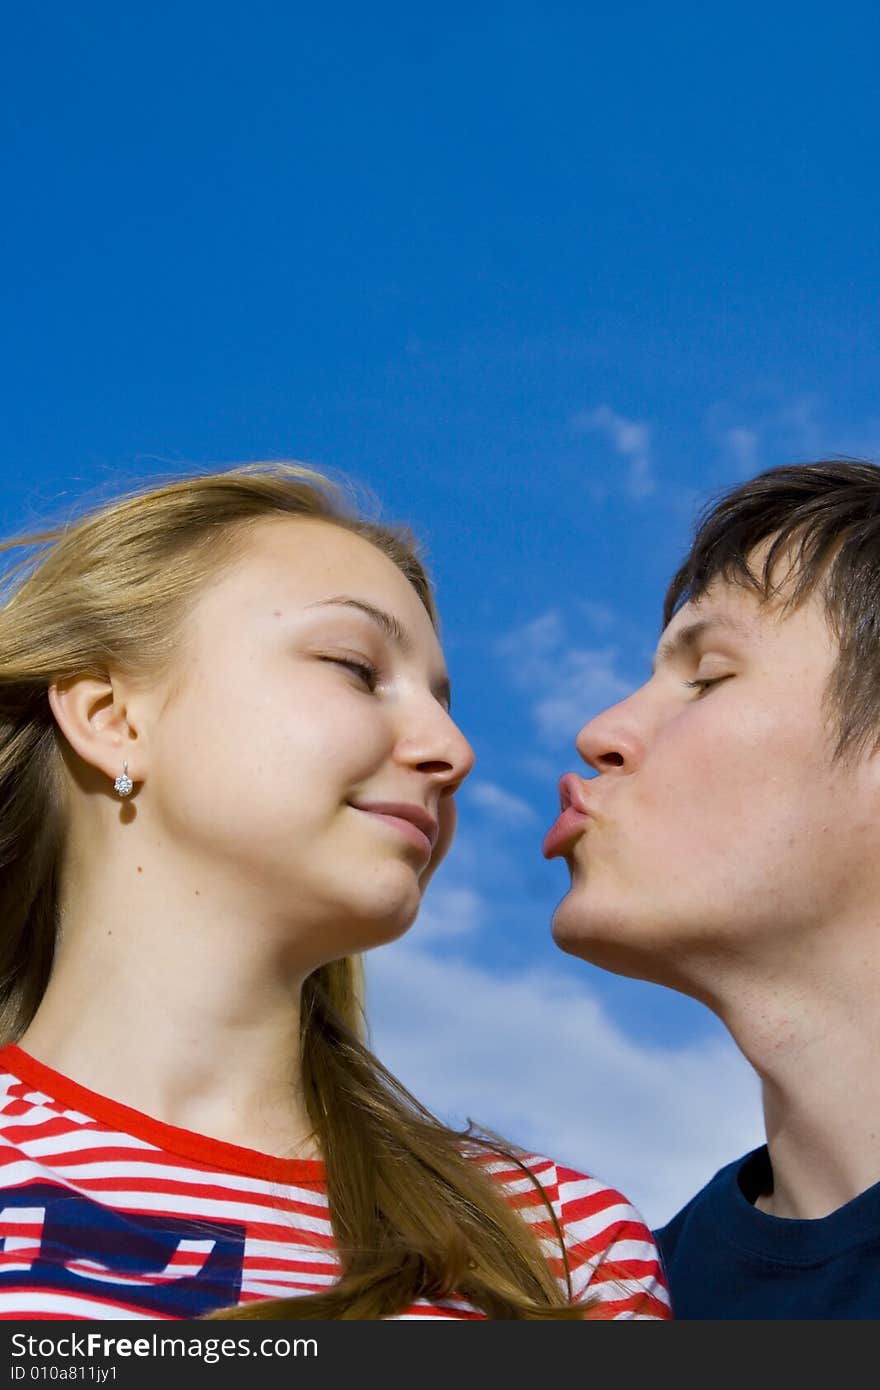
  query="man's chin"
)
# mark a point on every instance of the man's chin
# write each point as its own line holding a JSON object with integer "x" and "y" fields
{"x": 574, "y": 943}
{"x": 631, "y": 947}
{"x": 571, "y": 928}
{"x": 584, "y": 931}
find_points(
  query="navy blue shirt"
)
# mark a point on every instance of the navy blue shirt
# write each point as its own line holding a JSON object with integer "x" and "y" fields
{"x": 726, "y": 1259}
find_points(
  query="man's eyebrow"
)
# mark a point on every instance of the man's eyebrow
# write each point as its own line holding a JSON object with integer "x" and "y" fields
{"x": 687, "y": 637}
{"x": 394, "y": 629}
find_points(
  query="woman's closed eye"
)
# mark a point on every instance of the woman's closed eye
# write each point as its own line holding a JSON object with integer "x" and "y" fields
{"x": 364, "y": 670}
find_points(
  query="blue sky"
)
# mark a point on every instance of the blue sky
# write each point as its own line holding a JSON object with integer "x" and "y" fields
{"x": 541, "y": 278}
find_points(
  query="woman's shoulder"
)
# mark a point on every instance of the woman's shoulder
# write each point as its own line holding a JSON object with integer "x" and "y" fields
{"x": 610, "y": 1255}
{"x": 528, "y": 1177}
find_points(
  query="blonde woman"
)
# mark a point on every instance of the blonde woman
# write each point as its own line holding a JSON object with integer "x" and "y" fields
{"x": 227, "y": 768}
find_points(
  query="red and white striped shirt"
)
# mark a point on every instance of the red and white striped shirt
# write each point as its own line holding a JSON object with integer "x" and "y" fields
{"x": 107, "y": 1213}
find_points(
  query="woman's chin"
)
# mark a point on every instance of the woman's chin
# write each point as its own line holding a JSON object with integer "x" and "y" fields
{"x": 385, "y": 918}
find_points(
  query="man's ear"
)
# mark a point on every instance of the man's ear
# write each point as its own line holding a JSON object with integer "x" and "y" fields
{"x": 94, "y": 716}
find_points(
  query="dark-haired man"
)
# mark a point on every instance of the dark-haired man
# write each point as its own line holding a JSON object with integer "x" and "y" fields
{"x": 729, "y": 848}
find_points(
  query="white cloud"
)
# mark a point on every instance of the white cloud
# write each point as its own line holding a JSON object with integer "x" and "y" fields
{"x": 545, "y": 770}
{"x": 631, "y": 440}
{"x": 741, "y": 447}
{"x": 501, "y": 805}
{"x": 450, "y": 910}
{"x": 570, "y": 684}
{"x": 537, "y": 1058}
{"x": 774, "y": 429}
{"x": 599, "y": 615}
{"x": 796, "y": 421}
{"x": 532, "y": 645}
{"x": 584, "y": 683}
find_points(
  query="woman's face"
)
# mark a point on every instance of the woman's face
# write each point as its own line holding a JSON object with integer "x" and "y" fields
{"x": 303, "y": 756}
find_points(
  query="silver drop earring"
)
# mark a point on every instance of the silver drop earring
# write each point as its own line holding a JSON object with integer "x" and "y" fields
{"x": 123, "y": 783}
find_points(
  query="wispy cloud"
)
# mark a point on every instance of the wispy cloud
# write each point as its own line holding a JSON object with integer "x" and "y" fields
{"x": 599, "y": 615}
{"x": 772, "y": 429}
{"x": 741, "y": 448}
{"x": 537, "y": 1058}
{"x": 631, "y": 441}
{"x": 568, "y": 684}
{"x": 500, "y": 805}
{"x": 543, "y": 769}
{"x": 451, "y": 910}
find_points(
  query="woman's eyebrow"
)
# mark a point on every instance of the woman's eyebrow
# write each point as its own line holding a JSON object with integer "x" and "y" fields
{"x": 393, "y": 628}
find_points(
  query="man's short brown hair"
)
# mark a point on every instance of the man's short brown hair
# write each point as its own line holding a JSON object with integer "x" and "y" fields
{"x": 822, "y": 525}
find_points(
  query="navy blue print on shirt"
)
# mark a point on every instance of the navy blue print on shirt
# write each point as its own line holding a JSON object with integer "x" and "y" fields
{"x": 163, "y": 1265}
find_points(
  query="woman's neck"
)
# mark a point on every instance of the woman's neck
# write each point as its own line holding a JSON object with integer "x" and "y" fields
{"x": 189, "y": 1016}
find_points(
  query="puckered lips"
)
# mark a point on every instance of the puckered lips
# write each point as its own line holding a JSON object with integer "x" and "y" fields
{"x": 411, "y": 822}
{"x": 573, "y": 820}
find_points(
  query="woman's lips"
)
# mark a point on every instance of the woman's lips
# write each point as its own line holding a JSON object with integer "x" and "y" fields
{"x": 564, "y": 832}
{"x": 416, "y": 837}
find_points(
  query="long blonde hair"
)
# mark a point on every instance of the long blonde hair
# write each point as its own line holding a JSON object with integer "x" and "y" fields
{"x": 413, "y": 1216}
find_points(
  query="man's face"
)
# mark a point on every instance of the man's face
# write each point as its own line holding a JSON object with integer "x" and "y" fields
{"x": 720, "y": 829}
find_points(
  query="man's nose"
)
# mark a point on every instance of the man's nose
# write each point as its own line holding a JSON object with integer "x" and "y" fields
{"x": 613, "y": 741}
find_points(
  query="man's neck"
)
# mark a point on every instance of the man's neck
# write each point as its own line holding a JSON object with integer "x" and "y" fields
{"x": 821, "y": 1097}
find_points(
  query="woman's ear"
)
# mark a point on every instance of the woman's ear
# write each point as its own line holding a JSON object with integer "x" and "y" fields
{"x": 94, "y": 716}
